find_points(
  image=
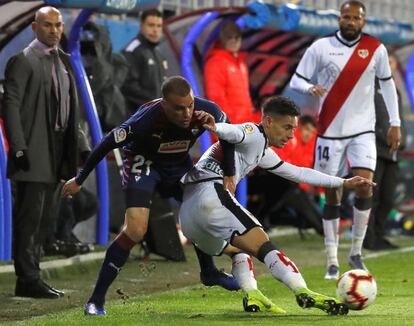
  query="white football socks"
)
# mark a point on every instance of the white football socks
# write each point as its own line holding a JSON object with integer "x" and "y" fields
{"x": 242, "y": 270}
{"x": 359, "y": 228}
{"x": 331, "y": 238}
{"x": 284, "y": 270}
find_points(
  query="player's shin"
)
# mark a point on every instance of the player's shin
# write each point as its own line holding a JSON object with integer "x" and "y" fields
{"x": 242, "y": 270}
{"x": 362, "y": 209}
{"x": 116, "y": 256}
{"x": 330, "y": 223}
{"x": 281, "y": 267}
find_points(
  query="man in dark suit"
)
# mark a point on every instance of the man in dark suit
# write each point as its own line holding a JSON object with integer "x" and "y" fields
{"x": 41, "y": 122}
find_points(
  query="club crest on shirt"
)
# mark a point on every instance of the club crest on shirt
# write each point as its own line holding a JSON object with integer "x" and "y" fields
{"x": 177, "y": 146}
{"x": 363, "y": 53}
{"x": 120, "y": 135}
{"x": 248, "y": 128}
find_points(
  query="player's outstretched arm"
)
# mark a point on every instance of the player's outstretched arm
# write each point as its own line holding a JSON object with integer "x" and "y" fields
{"x": 357, "y": 181}
{"x": 316, "y": 178}
{"x": 114, "y": 139}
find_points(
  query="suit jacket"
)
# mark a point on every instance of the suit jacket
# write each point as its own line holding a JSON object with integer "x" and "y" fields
{"x": 30, "y": 118}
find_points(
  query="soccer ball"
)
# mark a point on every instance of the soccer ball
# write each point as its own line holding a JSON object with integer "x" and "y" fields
{"x": 357, "y": 289}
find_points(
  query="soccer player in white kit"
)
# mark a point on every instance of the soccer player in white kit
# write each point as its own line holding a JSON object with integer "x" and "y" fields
{"x": 341, "y": 70}
{"x": 215, "y": 222}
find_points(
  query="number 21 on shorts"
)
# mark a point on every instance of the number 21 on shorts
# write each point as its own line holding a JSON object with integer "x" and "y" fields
{"x": 139, "y": 164}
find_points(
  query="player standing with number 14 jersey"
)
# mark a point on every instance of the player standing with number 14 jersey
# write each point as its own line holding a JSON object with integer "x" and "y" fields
{"x": 341, "y": 70}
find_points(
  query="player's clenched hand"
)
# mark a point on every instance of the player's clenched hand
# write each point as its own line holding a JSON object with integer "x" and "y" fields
{"x": 317, "y": 90}
{"x": 206, "y": 120}
{"x": 394, "y": 138}
{"x": 229, "y": 183}
{"x": 70, "y": 188}
{"x": 358, "y": 181}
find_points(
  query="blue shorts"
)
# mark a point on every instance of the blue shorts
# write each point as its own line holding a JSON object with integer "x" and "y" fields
{"x": 141, "y": 179}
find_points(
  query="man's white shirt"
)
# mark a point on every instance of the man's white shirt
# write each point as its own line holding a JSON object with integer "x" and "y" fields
{"x": 324, "y": 61}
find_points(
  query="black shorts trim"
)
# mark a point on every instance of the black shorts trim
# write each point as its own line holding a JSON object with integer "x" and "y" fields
{"x": 228, "y": 202}
{"x": 222, "y": 251}
{"x": 361, "y": 168}
{"x": 203, "y": 180}
{"x": 276, "y": 166}
{"x": 346, "y": 137}
{"x": 243, "y": 233}
{"x": 303, "y": 77}
{"x": 244, "y": 136}
{"x": 385, "y": 79}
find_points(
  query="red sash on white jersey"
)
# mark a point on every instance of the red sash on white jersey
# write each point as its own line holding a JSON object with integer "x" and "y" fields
{"x": 346, "y": 81}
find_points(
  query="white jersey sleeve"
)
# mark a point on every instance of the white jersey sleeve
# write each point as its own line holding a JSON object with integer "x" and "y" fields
{"x": 383, "y": 70}
{"x": 389, "y": 92}
{"x": 306, "y": 69}
{"x": 272, "y": 163}
{"x": 233, "y": 134}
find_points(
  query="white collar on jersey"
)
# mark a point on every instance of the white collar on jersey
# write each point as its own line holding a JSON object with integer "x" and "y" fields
{"x": 345, "y": 41}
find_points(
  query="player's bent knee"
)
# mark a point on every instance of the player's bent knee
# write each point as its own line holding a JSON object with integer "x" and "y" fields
{"x": 136, "y": 223}
{"x": 265, "y": 249}
{"x": 363, "y": 203}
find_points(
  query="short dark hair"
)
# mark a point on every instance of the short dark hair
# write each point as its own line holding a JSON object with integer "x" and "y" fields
{"x": 279, "y": 105}
{"x": 176, "y": 85}
{"x": 354, "y": 3}
{"x": 229, "y": 29}
{"x": 307, "y": 120}
{"x": 150, "y": 12}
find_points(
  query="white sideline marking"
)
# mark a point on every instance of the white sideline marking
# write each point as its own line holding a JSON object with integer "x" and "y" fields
{"x": 60, "y": 262}
{"x": 100, "y": 255}
{"x": 387, "y": 252}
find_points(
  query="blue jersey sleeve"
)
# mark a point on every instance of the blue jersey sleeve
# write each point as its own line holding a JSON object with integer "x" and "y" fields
{"x": 117, "y": 138}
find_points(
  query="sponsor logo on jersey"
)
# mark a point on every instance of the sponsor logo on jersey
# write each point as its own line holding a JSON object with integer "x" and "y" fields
{"x": 120, "y": 135}
{"x": 177, "y": 146}
{"x": 213, "y": 167}
{"x": 249, "y": 128}
{"x": 363, "y": 53}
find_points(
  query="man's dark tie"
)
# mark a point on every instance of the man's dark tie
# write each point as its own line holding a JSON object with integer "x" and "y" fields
{"x": 61, "y": 109}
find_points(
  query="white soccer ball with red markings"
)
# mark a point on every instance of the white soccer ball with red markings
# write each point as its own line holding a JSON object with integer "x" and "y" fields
{"x": 357, "y": 289}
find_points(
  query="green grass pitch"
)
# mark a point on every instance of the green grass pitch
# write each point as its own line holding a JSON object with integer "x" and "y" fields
{"x": 198, "y": 305}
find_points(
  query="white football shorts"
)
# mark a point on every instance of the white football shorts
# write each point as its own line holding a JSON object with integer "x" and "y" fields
{"x": 337, "y": 156}
{"x": 210, "y": 216}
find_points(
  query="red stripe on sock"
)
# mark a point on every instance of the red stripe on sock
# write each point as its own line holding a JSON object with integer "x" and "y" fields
{"x": 250, "y": 262}
{"x": 124, "y": 241}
